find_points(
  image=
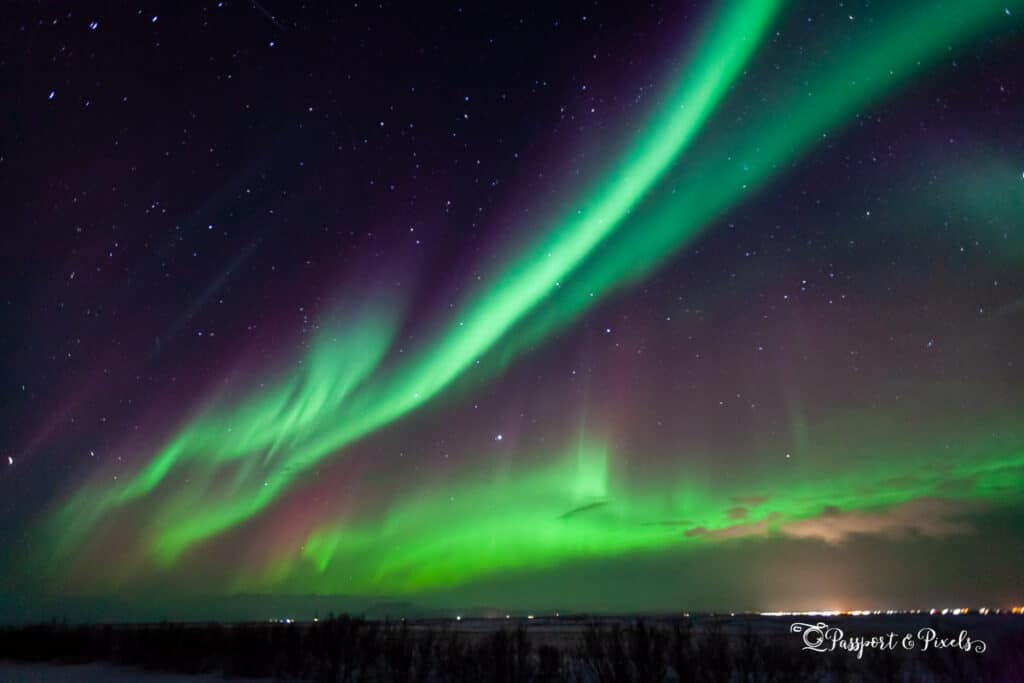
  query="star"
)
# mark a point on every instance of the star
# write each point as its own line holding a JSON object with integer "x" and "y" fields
{"x": 312, "y": 343}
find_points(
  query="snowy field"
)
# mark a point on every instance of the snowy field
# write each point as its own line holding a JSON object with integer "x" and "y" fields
{"x": 13, "y": 672}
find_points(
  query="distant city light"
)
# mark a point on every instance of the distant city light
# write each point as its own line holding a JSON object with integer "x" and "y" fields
{"x": 947, "y": 611}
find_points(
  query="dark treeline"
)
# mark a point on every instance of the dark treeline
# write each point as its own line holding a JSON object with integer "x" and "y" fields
{"x": 344, "y": 648}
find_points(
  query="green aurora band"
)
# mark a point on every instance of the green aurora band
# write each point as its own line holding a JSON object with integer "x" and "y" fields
{"x": 572, "y": 508}
{"x": 676, "y": 177}
{"x": 310, "y": 414}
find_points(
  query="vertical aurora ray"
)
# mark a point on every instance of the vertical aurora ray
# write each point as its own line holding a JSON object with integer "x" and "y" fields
{"x": 251, "y": 436}
{"x": 644, "y": 211}
{"x": 572, "y": 506}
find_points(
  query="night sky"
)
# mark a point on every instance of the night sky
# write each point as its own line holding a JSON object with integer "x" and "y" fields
{"x": 614, "y": 307}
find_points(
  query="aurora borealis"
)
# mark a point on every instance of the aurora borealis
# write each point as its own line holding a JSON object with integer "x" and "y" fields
{"x": 726, "y": 297}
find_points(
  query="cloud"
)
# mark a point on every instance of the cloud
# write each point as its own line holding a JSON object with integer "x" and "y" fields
{"x": 931, "y": 517}
{"x": 924, "y": 517}
{"x": 759, "y": 528}
{"x": 583, "y": 508}
{"x": 738, "y": 513}
{"x": 750, "y": 501}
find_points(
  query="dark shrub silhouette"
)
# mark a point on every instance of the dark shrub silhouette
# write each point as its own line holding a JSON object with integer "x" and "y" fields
{"x": 352, "y": 649}
{"x": 714, "y": 656}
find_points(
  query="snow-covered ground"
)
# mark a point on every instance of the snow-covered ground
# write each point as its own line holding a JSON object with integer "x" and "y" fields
{"x": 13, "y": 672}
